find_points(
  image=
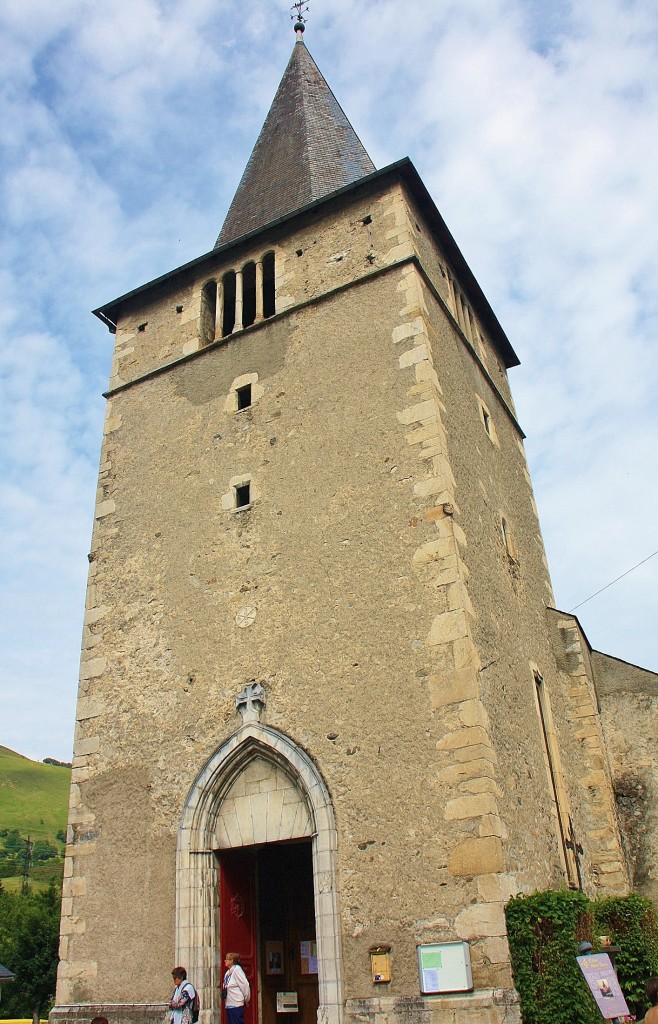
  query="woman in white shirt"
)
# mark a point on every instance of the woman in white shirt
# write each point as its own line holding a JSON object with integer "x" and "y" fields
{"x": 183, "y": 995}
{"x": 236, "y": 987}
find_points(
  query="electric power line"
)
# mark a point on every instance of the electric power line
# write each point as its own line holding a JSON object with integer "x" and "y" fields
{"x": 613, "y": 581}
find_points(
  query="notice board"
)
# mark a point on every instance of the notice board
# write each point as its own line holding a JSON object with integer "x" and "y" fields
{"x": 444, "y": 967}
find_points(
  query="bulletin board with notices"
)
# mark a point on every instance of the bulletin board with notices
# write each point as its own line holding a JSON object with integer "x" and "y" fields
{"x": 444, "y": 967}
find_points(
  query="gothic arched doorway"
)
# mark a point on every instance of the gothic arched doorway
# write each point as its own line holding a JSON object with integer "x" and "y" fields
{"x": 258, "y": 821}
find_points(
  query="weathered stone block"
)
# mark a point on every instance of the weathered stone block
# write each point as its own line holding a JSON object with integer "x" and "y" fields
{"x": 105, "y": 508}
{"x": 448, "y": 627}
{"x": 93, "y": 668}
{"x": 456, "y": 773}
{"x": 91, "y": 745}
{"x": 476, "y": 857}
{"x": 463, "y": 738}
{"x": 471, "y": 806}
{"x": 481, "y": 919}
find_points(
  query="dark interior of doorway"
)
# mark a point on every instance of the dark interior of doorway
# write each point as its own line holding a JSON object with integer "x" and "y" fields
{"x": 267, "y": 916}
{"x": 286, "y": 920}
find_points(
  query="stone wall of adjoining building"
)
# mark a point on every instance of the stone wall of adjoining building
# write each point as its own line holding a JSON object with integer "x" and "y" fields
{"x": 586, "y": 760}
{"x": 628, "y": 697}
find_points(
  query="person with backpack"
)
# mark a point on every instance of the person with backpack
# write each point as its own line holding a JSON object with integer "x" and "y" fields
{"x": 236, "y": 991}
{"x": 184, "y": 1004}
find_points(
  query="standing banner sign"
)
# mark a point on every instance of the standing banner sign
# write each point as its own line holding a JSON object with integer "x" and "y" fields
{"x": 602, "y": 980}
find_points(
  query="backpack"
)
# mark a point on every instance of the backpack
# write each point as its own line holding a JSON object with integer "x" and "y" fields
{"x": 195, "y": 1005}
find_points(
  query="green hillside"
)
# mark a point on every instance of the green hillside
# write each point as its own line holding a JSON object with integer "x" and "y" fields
{"x": 34, "y": 797}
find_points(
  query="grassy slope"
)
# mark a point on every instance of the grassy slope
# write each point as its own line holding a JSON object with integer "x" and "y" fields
{"x": 33, "y": 796}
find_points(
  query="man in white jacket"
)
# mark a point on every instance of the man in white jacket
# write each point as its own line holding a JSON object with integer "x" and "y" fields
{"x": 236, "y": 987}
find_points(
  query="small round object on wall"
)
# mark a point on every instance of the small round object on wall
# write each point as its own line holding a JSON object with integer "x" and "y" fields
{"x": 245, "y": 617}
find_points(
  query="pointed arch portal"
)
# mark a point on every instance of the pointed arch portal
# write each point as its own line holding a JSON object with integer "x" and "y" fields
{"x": 224, "y": 814}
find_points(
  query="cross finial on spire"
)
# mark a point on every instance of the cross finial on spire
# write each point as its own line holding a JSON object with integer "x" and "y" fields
{"x": 301, "y": 8}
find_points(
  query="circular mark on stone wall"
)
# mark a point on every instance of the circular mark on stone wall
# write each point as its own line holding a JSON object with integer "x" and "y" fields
{"x": 245, "y": 617}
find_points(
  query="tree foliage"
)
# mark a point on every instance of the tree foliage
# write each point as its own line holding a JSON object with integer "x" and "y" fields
{"x": 29, "y": 937}
{"x": 14, "y": 843}
{"x": 43, "y": 850}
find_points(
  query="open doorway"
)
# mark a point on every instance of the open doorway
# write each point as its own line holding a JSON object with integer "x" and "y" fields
{"x": 267, "y": 915}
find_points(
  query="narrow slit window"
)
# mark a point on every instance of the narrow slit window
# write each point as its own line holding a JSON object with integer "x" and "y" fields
{"x": 248, "y": 294}
{"x": 244, "y": 397}
{"x": 507, "y": 536}
{"x": 487, "y": 420}
{"x": 269, "y": 303}
{"x": 228, "y": 317}
{"x": 569, "y": 852}
{"x": 242, "y": 495}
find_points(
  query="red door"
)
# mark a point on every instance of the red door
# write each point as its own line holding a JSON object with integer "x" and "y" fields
{"x": 237, "y": 918}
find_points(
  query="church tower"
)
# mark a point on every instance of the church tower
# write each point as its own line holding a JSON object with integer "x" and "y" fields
{"x": 327, "y": 711}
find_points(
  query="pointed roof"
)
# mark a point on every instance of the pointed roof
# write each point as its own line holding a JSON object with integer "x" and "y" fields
{"x": 306, "y": 149}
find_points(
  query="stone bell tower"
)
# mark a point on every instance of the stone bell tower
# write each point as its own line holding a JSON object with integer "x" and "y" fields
{"x": 325, "y": 705}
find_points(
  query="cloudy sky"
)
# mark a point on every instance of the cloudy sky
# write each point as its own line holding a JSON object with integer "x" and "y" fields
{"x": 125, "y": 127}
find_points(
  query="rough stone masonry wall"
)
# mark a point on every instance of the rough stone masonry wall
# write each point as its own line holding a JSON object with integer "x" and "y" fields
{"x": 172, "y": 572}
{"x": 508, "y": 591}
{"x": 628, "y": 698}
{"x": 466, "y": 757}
{"x": 438, "y": 268}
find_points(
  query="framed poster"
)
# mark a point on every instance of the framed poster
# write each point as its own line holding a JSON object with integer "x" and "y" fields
{"x": 308, "y": 955}
{"x": 444, "y": 967}
{"x": 273, "y": 958}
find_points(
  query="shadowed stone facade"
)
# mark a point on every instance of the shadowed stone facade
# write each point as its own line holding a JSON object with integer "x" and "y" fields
{"x": 326, "y": 617}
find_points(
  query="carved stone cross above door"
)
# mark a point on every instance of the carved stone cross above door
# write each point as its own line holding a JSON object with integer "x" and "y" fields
{"x": 250, "y": 702}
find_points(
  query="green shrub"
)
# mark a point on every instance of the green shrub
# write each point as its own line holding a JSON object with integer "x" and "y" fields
{"x": 10, "y": 867}
{"x": 630, "y": 922}
{"x": 544, "y": 931}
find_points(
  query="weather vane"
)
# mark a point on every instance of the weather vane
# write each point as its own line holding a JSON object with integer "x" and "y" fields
{"x": 301, "y": 8}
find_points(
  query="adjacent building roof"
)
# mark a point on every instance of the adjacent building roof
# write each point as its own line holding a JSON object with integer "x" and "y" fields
{"x": 5, "y": 975}
{"x": 306, "y": 149}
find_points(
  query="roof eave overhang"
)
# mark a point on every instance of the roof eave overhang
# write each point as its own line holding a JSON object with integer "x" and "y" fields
{"x": 403, "y": 170}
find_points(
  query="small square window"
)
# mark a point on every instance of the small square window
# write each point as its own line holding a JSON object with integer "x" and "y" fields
{"x": 242, "y": 496}
{"x": 244, "y": 397}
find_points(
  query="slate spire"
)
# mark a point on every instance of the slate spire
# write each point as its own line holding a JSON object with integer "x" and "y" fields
{"x": 306, "y": 149}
